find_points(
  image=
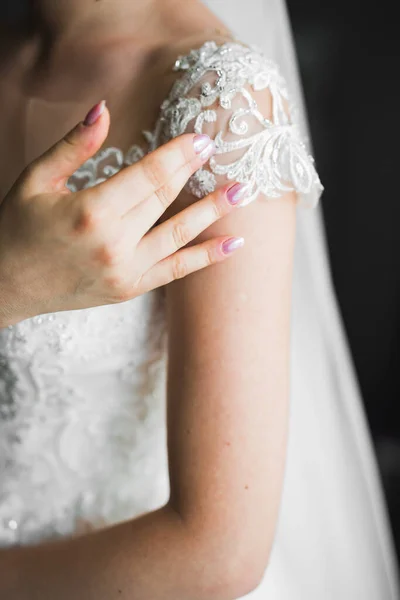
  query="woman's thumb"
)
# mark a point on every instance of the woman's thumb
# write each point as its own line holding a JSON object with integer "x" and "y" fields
{"x": 59, "y": 162}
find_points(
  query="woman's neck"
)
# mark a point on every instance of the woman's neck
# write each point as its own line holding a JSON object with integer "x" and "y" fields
{"x": 62, "y": 21}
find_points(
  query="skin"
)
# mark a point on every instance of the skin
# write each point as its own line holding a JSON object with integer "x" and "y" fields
{"x": 228, "y": 378}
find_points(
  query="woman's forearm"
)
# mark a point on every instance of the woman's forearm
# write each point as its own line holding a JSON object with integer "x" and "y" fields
{"x": 157, "y": 556}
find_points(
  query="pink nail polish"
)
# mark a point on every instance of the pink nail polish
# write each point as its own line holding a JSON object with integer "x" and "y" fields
{"x": 200, "y": 142}
{"x": 204, "y": 146}
{"x": 208, "y": 151}
{"x": 232, "y": 244}
{"x": 94, "y": 113}
{"x": 237, "y": 193}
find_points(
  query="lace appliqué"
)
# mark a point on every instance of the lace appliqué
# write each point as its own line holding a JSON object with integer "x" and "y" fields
{"x": 274, "y": 158}
{"x": 97, "y": 169}
{"x": 76, "y": 386}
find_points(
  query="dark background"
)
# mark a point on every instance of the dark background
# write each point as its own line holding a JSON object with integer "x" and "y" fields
{"x": 349, "y": 60}
{"x": 348, "y": 55}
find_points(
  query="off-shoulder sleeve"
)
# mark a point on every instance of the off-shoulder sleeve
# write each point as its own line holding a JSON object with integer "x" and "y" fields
{"x": 237, "y": 95}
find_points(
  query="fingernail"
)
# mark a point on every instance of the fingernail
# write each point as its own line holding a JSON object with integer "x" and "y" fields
{"x": 237, "y": 193}
{"x": 232, "y": 244}
{"x": 94, "y": 113}
{"x": 200, "y": 142}
{"x": 204, "y": 146}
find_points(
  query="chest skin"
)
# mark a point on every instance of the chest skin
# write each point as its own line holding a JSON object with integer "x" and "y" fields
{"x": 31, "y": 122}
{"x": 41, "y": 101}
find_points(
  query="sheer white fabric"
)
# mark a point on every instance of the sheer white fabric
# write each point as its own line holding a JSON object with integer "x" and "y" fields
{"x": 220, "y": 93}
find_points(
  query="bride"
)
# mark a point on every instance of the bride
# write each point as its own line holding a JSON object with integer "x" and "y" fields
{"x": 252, "y": 499}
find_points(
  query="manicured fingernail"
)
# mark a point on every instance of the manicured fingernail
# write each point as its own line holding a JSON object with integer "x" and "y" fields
{"x": 94, "y": 113}
{"x": 204, "y": 146}
{"x": 200, "y": 142}
{"x": 237, "y": 193}
{"x": 232, "y": 244}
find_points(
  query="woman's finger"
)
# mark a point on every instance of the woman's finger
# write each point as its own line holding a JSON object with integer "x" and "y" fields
{"x": 187, "y": 261}
{"x": 148, "y": 212}
{"x": 52, "y": 169}
{"x": 179, "y": 230}
{"x": 160, "y": 175}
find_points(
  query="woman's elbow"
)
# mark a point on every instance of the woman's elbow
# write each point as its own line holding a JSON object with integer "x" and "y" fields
{"x": 238, "y": 584}
{"x": 234, "y": 568}
{"x": 226, "y": 559}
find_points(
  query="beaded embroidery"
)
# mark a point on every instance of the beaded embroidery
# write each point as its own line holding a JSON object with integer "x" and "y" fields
{"x": 216, "y": 84}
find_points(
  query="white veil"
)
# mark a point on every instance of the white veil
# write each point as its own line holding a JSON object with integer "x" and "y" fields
{"x": 328, "y": 437}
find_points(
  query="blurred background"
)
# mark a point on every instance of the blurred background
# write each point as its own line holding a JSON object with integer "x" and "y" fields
{"x": 348, "y": 55}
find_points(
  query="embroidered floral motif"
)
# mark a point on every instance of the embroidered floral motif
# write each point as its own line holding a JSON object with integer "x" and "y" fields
{"x": 97, "y": 169}
{"x": 268, "y": 155}
{"x": 76, "y": 386}
{"x": 216, "y": 83}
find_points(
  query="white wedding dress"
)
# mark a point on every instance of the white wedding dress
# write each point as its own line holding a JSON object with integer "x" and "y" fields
{"x": 82, "y": 398}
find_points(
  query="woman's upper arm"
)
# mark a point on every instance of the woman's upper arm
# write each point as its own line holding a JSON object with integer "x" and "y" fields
{"x": 229, "y": 325}
{"x": 228, "y": 380}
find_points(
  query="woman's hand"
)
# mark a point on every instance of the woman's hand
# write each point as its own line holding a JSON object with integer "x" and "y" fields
{"x": 63, "y": 251}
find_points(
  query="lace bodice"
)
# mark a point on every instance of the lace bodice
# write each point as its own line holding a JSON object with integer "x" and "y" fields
{"x": 82, "y": 393}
